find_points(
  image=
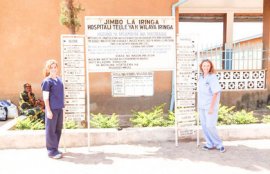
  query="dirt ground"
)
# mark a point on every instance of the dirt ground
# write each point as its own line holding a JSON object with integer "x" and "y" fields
{"x": 241, "y": 157}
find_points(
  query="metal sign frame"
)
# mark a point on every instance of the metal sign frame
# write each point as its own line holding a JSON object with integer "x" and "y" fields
{"x": 185, "y": 104}
{"x": 140, "y": 69}
{"x": 87, "y": 70}
{"x": 70, "y": 54}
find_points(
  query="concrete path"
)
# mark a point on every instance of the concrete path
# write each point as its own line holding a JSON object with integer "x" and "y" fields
{"x": 241, "y": 157}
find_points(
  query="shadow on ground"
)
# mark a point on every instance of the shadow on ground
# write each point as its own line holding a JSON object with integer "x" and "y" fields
{"x": 237, "y": 154}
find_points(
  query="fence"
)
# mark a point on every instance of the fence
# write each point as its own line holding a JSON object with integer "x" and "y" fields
{"x": 234, "y": 57}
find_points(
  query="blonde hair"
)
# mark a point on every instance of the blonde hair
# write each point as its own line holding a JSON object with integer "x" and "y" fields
{"x": 212, "y": 69}
{"x": 49, "y": 63}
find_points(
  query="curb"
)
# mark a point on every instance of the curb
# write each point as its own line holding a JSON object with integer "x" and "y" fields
{"x": 79, "y": 137}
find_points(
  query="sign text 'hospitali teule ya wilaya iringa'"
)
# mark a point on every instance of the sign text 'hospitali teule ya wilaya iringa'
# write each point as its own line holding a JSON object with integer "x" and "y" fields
{"x": 130, "y": 43}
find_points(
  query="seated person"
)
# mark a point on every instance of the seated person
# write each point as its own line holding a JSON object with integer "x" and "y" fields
{"x": 29, "y": 106}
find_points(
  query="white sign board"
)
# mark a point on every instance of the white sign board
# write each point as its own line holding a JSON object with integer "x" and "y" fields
{"x": 73, "y": 94}
{"x": 185, "y": 87}
{"x": 75, "y": 101}
{"x": 131, "y": 84}
{"x": 75, "y": 108}
{"x": 73, "y": 71}
{"x": 135, "y": 43}
{"x": 73, "y": 56}
{"x": 72, "y": 87}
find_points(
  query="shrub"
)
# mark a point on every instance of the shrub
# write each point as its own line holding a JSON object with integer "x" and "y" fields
{"x": 171, "y": 119}
{"x": 104, "y": 121}
{"x": 266, "y": 119}
{"x": 149, "y": 118}
{"x": 244, "y": 117}
{"x": 70, "y": 124}
{"x": 225, "y": 115}
{"x": 28, "y": 123}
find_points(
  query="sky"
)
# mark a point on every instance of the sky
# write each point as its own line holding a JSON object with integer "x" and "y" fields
{"x": 211, "y": 33}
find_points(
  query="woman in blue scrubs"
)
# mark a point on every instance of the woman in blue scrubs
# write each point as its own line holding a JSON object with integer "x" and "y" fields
{"x": 53, "y": 95}
{"x": 208, "y": 100}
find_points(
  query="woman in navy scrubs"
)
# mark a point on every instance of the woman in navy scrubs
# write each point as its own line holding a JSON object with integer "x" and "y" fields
{"x": 53, "y": 95}
{"x": 208, "y": 100}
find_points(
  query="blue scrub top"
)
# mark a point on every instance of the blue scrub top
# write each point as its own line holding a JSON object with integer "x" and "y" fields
{"x": 206, "y": 88}
{"x": 56, "y": 92}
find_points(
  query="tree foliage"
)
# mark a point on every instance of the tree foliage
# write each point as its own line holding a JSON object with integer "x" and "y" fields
{"x": 69, "y": 15}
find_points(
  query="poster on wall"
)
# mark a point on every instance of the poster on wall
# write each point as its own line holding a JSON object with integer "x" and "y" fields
{"x": 132, "y": 84}
{"x": 135, "y": 43}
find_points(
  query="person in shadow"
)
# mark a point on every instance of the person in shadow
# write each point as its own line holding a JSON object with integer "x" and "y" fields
{"x": 29, "y": 105}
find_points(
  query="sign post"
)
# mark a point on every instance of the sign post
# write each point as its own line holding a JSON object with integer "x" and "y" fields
{"x": 73, "y": 74}
{"x": 130, "y": 48}
{"x": 186, "y": 70}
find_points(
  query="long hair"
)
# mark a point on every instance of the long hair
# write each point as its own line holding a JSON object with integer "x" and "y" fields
{"x": 212, "y": 69}
{"x": 49, "y": 63}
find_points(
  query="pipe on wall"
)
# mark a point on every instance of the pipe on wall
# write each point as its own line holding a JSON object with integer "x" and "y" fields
{"x": 174, "y": 6}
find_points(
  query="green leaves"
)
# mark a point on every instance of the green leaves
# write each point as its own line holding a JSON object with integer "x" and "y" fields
{"x": 70, "y": 124}
{"x": 227, "y": 116}
{"x": 69, "y": 15}
{"x": 104, "y": 121}
{"x": 28, "y": 123}
{"x": 266, "y": 118}
{"x": 244, "y": 117}
{"x": 171, "y": 119}
{"x": 152, "y": 117}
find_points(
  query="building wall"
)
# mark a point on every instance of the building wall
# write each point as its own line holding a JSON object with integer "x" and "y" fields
{"x": 248, "y": 100}
{"x": 266, "y": 38}
{"x": 30, "y": 34}
{"x": 251, "y": 41}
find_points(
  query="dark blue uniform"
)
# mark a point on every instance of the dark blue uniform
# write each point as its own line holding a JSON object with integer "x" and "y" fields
{"x": 54, "y": 126}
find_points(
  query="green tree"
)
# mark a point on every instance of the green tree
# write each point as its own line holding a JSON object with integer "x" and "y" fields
{"x": 69, "y": 15}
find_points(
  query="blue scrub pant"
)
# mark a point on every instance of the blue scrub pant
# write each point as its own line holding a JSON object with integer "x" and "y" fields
{"x": 53, "y": 131}
{"x": 209, "y": 122}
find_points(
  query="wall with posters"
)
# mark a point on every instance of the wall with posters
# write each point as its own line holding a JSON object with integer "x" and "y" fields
{"x": 30, "y": 34}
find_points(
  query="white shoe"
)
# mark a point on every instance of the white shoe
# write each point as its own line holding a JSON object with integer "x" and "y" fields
{"x": 57, "y": 156}
{"x": 221, "y": 149}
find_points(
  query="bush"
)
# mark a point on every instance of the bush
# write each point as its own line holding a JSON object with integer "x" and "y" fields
{"x": 171, "y": 119}
{"x": 244, "y": 117}
{"x": 225, "y": 115}
{"x": 104, "y": 121}
{"x": 28, "y": 123}
{"x": 266, "y": 118}
{"x": 149, "y": 118}
{"x": 70, "y": 124}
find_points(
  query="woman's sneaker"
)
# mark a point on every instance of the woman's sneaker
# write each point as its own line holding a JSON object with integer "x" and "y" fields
{"x": 57, "y": 156}
{"x": 221, "y": 149}
{"x": 206, "y": 148}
